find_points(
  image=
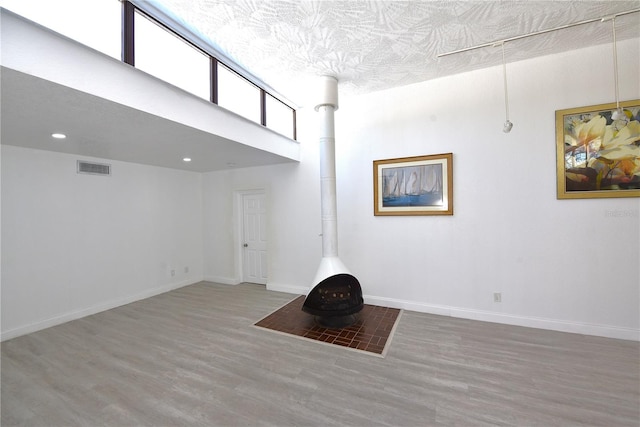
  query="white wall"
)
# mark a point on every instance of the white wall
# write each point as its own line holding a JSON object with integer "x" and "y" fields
{"x": 570, "y": 265}
{"x": 74, "y": 244}
{"x": 292, "y": 215}
{"x": 565, "y": 264}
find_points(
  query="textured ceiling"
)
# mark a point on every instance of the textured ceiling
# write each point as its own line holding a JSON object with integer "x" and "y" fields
{"x": 375, "y": 45}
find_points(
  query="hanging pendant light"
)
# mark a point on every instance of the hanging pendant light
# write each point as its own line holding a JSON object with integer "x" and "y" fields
{"x": 507, "y": 124}
{"x": 618, "y": 114}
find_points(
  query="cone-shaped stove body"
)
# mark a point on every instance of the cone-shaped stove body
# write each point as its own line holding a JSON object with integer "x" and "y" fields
{"x": 335, "y": 295}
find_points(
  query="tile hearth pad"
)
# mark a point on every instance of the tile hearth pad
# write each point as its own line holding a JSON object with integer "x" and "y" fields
{"x": 371, "y": 333}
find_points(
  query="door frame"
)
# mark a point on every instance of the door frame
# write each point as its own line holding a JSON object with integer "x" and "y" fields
{"x": 238, "y": 231}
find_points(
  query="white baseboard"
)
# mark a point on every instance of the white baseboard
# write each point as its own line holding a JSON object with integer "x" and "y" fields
{"x": 73, "y": 315}
{"x": 480, "y": 315}
{"x": 290, "y": 289}
{"x": 485, "y": 316}
{"x": 223, "y": 280}
{"x": 509, "y": 319}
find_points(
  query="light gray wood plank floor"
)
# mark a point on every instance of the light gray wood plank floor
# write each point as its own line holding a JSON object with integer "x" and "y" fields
{"x": 191, "y": 357}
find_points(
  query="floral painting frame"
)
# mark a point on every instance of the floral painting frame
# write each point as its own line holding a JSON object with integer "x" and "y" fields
{"x": 598, "y": 156}
{"x": 420, "y": 185}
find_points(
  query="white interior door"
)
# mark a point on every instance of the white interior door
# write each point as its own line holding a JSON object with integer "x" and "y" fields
{"x": 254, "y": 234}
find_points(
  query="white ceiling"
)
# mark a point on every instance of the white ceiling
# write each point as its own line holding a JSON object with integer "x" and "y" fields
{"x": 375, "y": 45}
{"x": 367, "y": 45}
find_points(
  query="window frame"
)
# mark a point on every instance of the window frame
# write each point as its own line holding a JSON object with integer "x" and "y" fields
{"x": 128, "y": 56}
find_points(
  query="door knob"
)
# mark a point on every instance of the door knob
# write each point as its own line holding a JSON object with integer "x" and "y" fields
{"x": 246, "y": 245}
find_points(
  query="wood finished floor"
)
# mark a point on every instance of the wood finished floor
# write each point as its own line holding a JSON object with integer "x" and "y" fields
{"x": 191, "y": 357}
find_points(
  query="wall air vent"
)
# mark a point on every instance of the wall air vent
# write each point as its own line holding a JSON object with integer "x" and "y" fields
{"x": 93, "y": 168}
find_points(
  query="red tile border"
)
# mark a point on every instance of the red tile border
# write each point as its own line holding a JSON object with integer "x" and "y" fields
{"x": 371, "y": 332}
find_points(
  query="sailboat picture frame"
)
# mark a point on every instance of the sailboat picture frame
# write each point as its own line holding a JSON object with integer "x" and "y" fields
{"x": 419, "y": 185}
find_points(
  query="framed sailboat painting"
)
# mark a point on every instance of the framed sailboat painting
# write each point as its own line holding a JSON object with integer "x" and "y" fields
{"x": 420, "y": 185}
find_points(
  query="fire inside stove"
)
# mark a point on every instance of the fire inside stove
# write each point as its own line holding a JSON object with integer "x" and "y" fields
{"x": 335, "y": 300}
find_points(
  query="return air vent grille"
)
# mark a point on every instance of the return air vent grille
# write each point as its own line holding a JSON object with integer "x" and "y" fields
{"x": 94, "y": 168}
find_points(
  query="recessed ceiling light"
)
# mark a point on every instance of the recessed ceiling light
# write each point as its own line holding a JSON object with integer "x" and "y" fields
{"x": 58, "y": 135}
{"x": 186, "y": 159}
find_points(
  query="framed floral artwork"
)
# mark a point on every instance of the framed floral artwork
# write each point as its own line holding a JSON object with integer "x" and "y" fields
{"x": 598, "y": 151}
{"x": 421, "y": 185}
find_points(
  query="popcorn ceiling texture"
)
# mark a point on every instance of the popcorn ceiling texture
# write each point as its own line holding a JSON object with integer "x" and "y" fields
{"x": 375, "y": 45}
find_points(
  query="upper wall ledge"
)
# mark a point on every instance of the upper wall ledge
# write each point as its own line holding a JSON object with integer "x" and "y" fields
{"x": 38, "y": 51}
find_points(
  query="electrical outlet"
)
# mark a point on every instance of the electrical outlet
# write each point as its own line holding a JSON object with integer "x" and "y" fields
{"x": 173, "y": 273}
{"x": 186, "y": 269}
{"x": 497, "y": 297}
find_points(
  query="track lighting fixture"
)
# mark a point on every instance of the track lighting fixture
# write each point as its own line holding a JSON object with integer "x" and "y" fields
{"x": 507, "y": 124}
{"x": 618, "y": 114}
